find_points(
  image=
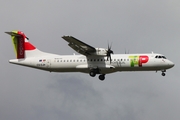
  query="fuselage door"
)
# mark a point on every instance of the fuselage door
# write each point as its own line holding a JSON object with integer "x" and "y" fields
{"x": 48, "y": 63}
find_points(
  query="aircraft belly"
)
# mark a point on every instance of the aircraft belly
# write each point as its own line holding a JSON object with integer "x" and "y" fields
{"x": 145, "y": 68}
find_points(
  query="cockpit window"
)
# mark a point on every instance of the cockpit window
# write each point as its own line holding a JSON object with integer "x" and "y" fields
{"x": 158, "y": 56}
{"x": 164, "y": 57}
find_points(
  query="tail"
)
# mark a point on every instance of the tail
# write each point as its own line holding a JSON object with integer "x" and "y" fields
{"x": 23, "y": 48}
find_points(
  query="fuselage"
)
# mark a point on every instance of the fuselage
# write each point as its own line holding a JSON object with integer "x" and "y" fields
{"x": 81, "y": 63}
{"x": 93, "y": 60}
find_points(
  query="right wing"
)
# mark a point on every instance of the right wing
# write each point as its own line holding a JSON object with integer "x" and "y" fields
{"x": 79, "y": 46}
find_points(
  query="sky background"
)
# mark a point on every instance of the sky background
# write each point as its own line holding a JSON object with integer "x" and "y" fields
{"x": 138, "y": 26}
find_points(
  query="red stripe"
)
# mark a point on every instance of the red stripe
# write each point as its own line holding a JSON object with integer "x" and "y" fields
{"x": 29, "y": 46}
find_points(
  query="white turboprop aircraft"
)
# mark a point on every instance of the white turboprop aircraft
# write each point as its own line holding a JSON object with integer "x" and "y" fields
{"x": 93, "y": 60}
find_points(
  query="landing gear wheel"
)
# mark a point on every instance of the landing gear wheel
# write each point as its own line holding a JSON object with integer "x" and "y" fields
{"x": 92, "y": 74}
{"x": 163, "y": 74}
{"x": 102, "y": 77}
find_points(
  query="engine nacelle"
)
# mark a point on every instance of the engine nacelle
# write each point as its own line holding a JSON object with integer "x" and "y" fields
{"x": 100, "y": 52}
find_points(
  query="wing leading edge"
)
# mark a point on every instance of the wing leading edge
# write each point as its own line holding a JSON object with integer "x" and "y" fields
{"x": 79, "y": 46}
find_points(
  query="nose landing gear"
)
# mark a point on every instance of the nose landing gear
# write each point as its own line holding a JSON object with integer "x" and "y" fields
{"x": 163, "y": 72}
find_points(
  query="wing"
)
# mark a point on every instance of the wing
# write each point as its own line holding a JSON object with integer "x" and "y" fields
{"x": 79, "y": 46}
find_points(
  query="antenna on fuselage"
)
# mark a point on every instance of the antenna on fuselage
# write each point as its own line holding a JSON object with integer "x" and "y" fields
{"x": 126, "y": 52}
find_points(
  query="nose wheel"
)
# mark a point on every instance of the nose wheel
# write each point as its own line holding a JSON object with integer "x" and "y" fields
{"x": 163, "y": 74}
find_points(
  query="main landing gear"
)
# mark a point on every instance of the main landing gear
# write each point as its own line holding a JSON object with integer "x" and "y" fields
{"x": 102, "y": 77}
{"x": 93, "y": 73}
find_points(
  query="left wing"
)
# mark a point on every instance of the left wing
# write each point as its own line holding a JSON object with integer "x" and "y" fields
{"x": 79, "y": 46}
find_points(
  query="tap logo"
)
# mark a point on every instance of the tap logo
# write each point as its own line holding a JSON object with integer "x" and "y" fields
{"x": 138, "y": 60}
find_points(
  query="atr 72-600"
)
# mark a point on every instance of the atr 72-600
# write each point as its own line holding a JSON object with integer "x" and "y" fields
{"x": 92, "y": 61}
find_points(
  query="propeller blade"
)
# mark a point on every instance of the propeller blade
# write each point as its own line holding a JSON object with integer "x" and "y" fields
{"x": 109, "y": 52}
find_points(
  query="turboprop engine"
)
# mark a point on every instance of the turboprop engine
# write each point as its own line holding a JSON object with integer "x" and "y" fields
{"x": 100, "y": 52}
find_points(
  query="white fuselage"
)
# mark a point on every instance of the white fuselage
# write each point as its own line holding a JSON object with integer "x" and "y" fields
{"x": 81, "y": 63}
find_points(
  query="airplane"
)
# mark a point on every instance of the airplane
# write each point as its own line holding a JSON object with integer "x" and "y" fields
{"x": 92, "y": 60}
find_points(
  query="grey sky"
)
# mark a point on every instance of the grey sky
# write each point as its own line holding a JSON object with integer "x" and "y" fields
{"x": 138, "y": 26}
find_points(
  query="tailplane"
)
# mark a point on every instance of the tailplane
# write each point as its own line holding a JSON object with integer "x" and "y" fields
{"x": 23, "y": 48}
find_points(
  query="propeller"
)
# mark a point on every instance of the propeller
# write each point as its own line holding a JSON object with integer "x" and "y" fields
{"x": 109, "y": 52}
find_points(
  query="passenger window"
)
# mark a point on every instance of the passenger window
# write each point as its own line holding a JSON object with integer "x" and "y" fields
{"x": 73, "y": 60}
{"x": 160, "y": 57}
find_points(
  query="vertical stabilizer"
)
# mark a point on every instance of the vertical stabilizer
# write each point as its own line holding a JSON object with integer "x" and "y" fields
{"x": 22, "y": 47}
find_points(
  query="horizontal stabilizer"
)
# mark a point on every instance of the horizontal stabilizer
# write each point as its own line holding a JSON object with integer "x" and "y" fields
{"x": 13, "y": 34}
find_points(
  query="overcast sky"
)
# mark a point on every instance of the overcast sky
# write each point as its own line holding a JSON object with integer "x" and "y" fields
{"x": 139, "y": 26}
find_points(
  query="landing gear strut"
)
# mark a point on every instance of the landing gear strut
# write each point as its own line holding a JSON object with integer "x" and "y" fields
{"x": 102, "y": 77}
{"x": 163, "y": 72}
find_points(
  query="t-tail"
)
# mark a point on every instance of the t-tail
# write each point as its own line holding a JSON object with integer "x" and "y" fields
{"x": 22, "y": 47}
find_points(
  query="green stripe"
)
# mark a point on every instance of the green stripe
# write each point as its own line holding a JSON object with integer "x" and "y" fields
{"x": 14, "y": 41}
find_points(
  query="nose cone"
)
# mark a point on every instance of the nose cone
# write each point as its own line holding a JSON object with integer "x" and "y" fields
{"x": 170, "y": 64}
